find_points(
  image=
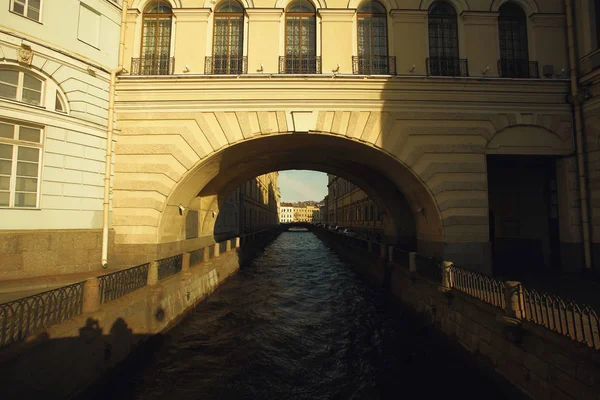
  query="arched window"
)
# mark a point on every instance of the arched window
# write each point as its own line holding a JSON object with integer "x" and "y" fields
{"x": 443, "y": 41}
{"x": 155, "y": 56}
{"x": 512, "y": 31}
{"x": 300, "y": 40}
{"x": 20, "y": 86}
{"x": 228, "y": 42}
{"x": 372, "y": 41}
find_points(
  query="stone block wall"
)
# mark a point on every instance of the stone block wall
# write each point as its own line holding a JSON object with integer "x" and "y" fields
{"x": 34, "y": 253}
{"x": 539, "y": 362}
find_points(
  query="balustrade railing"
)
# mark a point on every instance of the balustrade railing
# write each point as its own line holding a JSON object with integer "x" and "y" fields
{"x": 447, "y": 66}
{"x": 518, "y": 69}
{"x": 374, "y": 65}
{"x": 118, "y": 284}
{"x": 169, "y": 266}
{"x": 21, "y": 317}
{"x": 429, "y": 267}
{"x": 225, "y": 65}
{"x": 482, "y": 287}
{"x": 566, "y": 317}
{"x": 300, "y": 65}
{"x": 153, "y": 66}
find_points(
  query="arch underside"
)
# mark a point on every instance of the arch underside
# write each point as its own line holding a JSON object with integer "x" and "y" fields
{"x": 425, "y": 170}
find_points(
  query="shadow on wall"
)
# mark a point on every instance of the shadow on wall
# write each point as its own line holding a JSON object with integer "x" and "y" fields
{"x": 60, "y": 368}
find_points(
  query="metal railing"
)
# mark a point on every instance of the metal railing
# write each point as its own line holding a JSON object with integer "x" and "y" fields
{"x": 196, "y": 256}
{"x": 300, "y": 65}
{"x": 518, "y": 69}
{"x": 482, "y": 287}
{"x": 153, "y": 66}
{"x": 374, "y": 65}
{"x": 169, "y": 266}
{"x": 224, "y": 65}
{"x": 402, "y": 257}
{"x": 447, "y": 66}
{"x": 118, "y": 284}
{"x": 429, "y": 267}
{"x": 566, "y": 317}
{"x": 21, "y": 317}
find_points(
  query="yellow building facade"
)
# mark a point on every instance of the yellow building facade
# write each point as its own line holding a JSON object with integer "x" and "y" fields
{"x": 470, "y": 124}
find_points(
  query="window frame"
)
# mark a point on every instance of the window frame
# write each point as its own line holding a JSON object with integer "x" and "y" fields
{"x": 444, "y": 65}
{"x": 303, "y": 20}
{"x": 21, "y": 87}
{"x": 16, "y": 144}
{"x": 511, "y": 66}
{"x": 155, "y": 66}
{"x": 370, "y": 16}
{"x": 25, "y": 7}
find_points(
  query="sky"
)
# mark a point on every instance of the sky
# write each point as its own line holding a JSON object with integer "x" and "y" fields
{"x": 302, "y": 185}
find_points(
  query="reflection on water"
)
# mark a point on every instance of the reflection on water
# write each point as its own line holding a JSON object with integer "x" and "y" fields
{"x": 298, "y": 323}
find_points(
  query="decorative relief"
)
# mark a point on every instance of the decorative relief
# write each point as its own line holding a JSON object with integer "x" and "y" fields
{"x": 25, "y": 55}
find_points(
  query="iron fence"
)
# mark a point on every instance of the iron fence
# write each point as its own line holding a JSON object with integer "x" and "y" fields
{"x": 485, "y": 288}
{"x": 300, "y": 65}
{"x": 429, "y": 267}
{"x": 21, "y": 317}
{"x": 374, "y": 65}
{"x": 169, "y": 266}
{"x": 518, "y": 69}
{"x": 225, "y": 65}
{"x": 153, "y": 66}
{"x": 402, "y": 257}
{"x": 118, "y": 284}
{"x": 447, "y": 66}
{"x": 196, "y": 256}
{"x": 579, "y": 322}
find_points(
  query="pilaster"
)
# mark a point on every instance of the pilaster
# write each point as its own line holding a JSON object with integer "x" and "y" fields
{"x": 481, "y": 27}
{"x": 191, "y": 44}
{"x": 410, "y": 24}
{"x": 265, "y": 38}
{"x": 337, "y": 39}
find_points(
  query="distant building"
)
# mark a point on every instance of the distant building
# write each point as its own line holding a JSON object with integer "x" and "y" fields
{"x": 286, "y": 213}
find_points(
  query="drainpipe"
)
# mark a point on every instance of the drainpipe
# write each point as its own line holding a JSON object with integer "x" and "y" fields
{"x": 579, "y": 138}
{"x": 109, "y": 135}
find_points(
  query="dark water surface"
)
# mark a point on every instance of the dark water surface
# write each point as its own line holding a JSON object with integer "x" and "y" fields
{"x": 298, "y": 323}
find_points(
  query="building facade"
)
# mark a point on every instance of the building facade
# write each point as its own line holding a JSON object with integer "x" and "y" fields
{"x": 55, "y": 65}
{"x": 472, "y": 126}
{"x": 350, "y": 207}
{"x": 286, "y": 213}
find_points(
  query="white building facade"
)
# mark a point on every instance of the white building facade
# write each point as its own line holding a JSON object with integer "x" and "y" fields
{"x": 286, "y": 214}
{"x": 55, "y": 63}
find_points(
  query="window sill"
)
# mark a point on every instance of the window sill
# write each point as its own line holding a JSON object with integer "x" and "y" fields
{"x": 40, "y": 107}
{"x": 26, "y": 17}
{"x": 21, "y": 208}
{"x": 89, "y": 44}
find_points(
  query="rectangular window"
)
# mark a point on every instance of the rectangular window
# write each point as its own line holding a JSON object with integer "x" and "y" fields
{"x": 20, "y": 160}
{"x": 89, "y": 26}
{"x": 31, "y": 9}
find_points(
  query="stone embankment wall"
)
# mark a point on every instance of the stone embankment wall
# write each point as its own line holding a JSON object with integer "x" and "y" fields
{"x": 540, "y": 363}
{"x": 61, "y": 361}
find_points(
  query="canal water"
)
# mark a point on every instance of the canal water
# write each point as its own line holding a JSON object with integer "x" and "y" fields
{"x": 298, "y": 323}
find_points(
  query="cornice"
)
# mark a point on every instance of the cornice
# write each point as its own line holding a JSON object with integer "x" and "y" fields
{"x": 191, "y": 14}
{"x": 479, "y": 17}
{"x": 552, "y": 20}
{"x": 415, "y": 16}
{"x": 264, "y": 14}
{"x": 263, "y": 93}
{"x": 336, "y": 14}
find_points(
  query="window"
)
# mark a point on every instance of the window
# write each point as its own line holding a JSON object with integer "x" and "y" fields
{"x": 28, "y": 8}
{"x": 88, "y": 30}
{"x": 512, "y": 32}
{"x": 300, "y": 40}
{"x": 597, "y": 20}
{"x": 59, "y": 104}
{"x": 228, "y": 43}
{"x": 372, "y": 40}
{"x": 20, "y": 86}
{"x": 443, "y": 41}
{"x": 20, "y": 154}
{"x": 155, "y": 57}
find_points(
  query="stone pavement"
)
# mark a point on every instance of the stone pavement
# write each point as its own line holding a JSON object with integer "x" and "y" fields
{"x": 18, "y": 288}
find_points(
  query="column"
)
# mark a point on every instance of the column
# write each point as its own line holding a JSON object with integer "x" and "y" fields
{"x": 191, "y": 39}
{"x": 410, "y": 47}
{"x": 337, "y": 44}
{"x": 481, "y": 27}
{"x": 265, "y": 39}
